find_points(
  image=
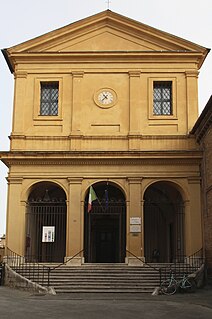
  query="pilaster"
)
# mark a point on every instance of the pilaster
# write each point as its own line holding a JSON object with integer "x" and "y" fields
{"x": 19, "y": 98}
{"x": 74, "y": 218}
{"x": 192, "y": 98}
{"x": 76, "y": 102}
{"x": 134, "y": 109}
{"x": 15, "y": 216}
{"x": 134, "y": 238}
{"x": 76, "y": 134}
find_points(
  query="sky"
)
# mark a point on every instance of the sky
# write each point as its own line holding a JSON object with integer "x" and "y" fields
{"x": 21, "y": 20}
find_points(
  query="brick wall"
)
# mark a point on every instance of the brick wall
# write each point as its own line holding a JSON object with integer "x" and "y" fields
{"x": 203, "y": 133}
{"x": 207, "y": 176}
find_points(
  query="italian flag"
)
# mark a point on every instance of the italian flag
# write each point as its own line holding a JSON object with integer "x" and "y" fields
{"x": 92, "y": 196}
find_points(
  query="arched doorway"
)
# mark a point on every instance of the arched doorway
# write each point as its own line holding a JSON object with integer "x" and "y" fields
{"x": 105, "y": 225}
{"x": 46, "y": 223}
{"x": 163, "y": 223}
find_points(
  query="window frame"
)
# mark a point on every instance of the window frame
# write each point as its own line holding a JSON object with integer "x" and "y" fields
{"x": 37, "y": 99}
{"x": 173, "y": 114}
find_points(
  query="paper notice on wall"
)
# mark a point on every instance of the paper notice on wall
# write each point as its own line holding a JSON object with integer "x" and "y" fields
{"x": 48, "y": 234}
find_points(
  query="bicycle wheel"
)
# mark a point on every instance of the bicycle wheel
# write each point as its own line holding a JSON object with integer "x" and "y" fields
{"x": 168, "y": 287}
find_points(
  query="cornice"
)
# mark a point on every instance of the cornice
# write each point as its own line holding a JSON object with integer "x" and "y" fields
{"x": 155, "y": 162}
{"x": 105, "y": 56}
{"x": 100, "y": 137}
{"x": 103, "y": 154}
{"x": 102, "y": 158}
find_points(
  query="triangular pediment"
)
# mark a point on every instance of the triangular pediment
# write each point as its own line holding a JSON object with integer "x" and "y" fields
{"x": 105, "y": 39}
{"x": 106, "y": 31}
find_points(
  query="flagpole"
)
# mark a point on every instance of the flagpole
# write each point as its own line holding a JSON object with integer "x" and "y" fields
{"x": 89, "y": 238}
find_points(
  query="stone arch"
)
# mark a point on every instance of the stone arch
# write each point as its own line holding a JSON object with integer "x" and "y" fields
{"x": 105, "y": 224}
{"x": 27, "y": 190}
{"x": 163, "y": 222}
{"x": 109, "y": 182}
{"x": 182, "y": 190}
{"x": 46, "y": 223}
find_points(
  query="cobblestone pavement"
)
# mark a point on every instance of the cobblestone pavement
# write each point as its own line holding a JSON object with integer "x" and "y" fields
{"x": 20, "y": 305}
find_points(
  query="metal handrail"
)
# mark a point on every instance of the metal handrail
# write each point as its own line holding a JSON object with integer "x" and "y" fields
{"x": 1, "y": 273}
{"x": 38, "y": 271}
{"x": 19, "y": 263}
{"x": 147, "y": 264}
{"x": 141, "y": 260}
{"x": 193, "y": 262}
{"x": 68, "y": 260}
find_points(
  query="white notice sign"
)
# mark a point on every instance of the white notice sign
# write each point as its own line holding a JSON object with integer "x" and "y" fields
{"x": 135, "y": 220}
{"x": 48, "y": 234}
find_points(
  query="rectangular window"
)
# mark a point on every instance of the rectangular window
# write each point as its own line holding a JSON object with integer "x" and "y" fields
{"x": 49, "y": 92}
{"x": 162, "y": 98}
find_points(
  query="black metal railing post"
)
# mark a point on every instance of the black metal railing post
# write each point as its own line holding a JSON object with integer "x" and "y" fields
{"x": 160, "y": 272}
{"x": 48, "y": 278}
{"x": 1, "y": 273}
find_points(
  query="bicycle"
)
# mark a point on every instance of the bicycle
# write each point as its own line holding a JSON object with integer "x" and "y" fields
{"x": 171, "y": 285}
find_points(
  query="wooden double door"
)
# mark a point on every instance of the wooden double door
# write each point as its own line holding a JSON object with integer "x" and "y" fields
{"x": 105, "y": 242}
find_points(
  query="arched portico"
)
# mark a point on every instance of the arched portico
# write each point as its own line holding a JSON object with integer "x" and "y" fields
{"x": 163, "y": 223}
{"x": 105, "y": 225}
{"x": 46, "y": 223}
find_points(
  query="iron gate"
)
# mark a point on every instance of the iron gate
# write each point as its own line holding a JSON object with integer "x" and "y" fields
{"x": 164, "y": 231}
{"x": 40, "y": 216}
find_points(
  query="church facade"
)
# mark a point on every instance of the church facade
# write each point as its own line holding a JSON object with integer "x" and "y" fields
{"x": 104, "y": 104}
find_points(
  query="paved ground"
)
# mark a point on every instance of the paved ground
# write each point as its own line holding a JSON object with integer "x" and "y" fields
{"x": 20, "y": 305}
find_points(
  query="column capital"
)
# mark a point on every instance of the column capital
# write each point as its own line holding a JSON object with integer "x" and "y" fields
{"x": 74, "y": 180}
{"x": 192, "y": 74}
{"x": 20, "y": 74}
{"x": 134, "y": 73}
{"x": 194, "y": 180}
{"x": 134, "y": 180}
{"x": 14, "y": 180}
{"x": 77, "y": 74}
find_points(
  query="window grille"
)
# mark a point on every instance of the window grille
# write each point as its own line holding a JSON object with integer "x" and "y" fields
{"x": 162, "y": 98}
{"x": 49, "y": 98}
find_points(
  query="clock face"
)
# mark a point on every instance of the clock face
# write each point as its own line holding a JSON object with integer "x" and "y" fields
{"x": 105, "y": 98}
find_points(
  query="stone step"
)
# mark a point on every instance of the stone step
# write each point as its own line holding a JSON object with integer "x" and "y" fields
{"x": 142, "y": 280}
{"x": 103, "y": 284}
{"x": 111, "y": 290}
{"x": 98, "y": 278}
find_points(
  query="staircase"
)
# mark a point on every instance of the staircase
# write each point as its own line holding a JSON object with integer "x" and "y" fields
{"x": 113, "y": 278}
{"x": 103, "y": 277}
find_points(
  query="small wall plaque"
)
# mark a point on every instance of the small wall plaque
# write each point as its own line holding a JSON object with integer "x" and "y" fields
{"x": 135, "y": 220}
{"x": 135, "y": 228}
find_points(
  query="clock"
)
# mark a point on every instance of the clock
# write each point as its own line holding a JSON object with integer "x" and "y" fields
{"x": 105, "y": 98}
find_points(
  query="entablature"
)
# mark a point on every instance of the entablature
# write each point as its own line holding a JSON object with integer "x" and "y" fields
{"x": 102, "y": 158}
